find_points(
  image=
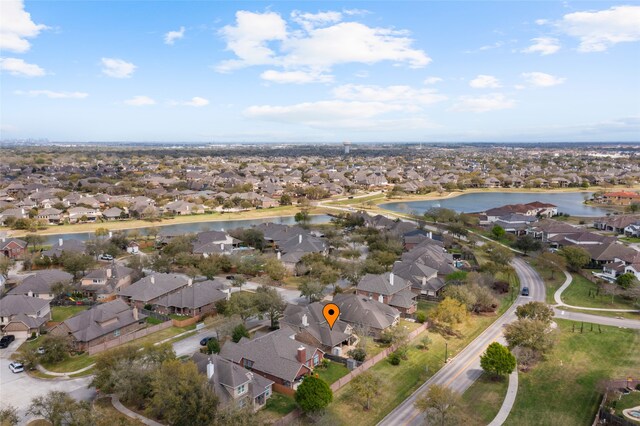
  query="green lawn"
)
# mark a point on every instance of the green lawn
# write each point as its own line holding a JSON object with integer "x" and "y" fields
{"x": 583, "y": 292}
{"x": 426, "y": 307}
{"x": 61, "y": 313}
{"x": 153, "y": 321}
{"x": 333, "y": 372}
{"x": 71, "y": 363}
{"x": 563, "y": 389}
{"x": 553, "y": 279}
{"x": 628, "y": 401}
{"x": 482, "y": 401}
{"x": 629, "y": 315}
{"x": 630, "y": 239}
{"x": 280, "y": 404}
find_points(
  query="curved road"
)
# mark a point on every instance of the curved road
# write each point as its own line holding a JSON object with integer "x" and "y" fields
{"x": 464, "y": 368}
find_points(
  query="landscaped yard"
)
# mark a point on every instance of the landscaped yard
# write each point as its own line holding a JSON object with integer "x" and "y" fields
{"x": 628, "y": 401}
{"x": 582, "y": 292}
{"x": 333, "y": 372}
{"x": 71, "y": 363}
{"x": 278, "y": 405}
{"x": 61, "y": 313}
{"x": 482, "y": 401}
{"x": 563, "y": 389}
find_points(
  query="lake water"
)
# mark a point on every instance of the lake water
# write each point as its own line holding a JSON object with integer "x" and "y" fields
{"x": 188, "y": 228}
{"x": 571, "y": 203}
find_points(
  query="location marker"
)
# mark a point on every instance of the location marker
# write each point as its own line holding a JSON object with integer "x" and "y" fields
{"x": 331, "y": 313}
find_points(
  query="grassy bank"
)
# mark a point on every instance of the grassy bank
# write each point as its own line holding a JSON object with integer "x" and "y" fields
{"x": 482, "y": 401}
{"x": 583, "y": 292}
{"x": 563, "y": 389}
{"x": 553, "y": 279}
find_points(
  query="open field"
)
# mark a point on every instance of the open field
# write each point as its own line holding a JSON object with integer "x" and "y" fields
{"x": 582, "y": 292}
{"x": 563, "y": 389}
{"x": 482, "y": 401}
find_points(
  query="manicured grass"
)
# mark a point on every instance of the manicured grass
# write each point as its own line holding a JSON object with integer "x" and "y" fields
{"x": 630, "y": 239}
{"x": 482, "y": 401}
{"x": 553, "y": 279}
{"x": 153, "y": 321}
{"x": 629, "y": 315}
{"x": 583, "y": 292}
{"x": 426, "y": 307}
{"x": 71, "y": 363}
{"x": 628, "y": 401}
{"x": 160, "y": 335}
{"x": 61, "y": 313}
{"x": 333, "y": 372}
{"x": 563, "y": 389}
{"x": 398, "y": 382}
{"x": 178, "y": 317}
{"x": 280, "y": 404}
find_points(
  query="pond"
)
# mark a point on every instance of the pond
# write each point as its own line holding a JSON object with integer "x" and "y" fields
{"x": 188, "y": 228}
{"x": 571, "y": 203}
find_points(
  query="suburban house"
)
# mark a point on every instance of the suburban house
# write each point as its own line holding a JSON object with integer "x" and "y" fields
{"x": 151, "y": 288}
{"x": 83, "y": 214}
{"x": 12, "y": 213}
{"x": 71, "y": 246}
{"x": 198, "y": 298}
{"x": 389, "y": 289}
{"x": 234, "y": 385}
{"x": 104, "y": 283}
{"x": 100, "y": 324}
{"x": 431, "y": 255}
{"x": 13, "y": 248}
{"x": 617, "y": 223}
{"x": 40, "y": 284}
{"x": 294, "y": 249}
{"x": 276, "y": 356}
{"x": 312, "y": 328}
{"x": 23, "y": 315}
{"x": 361, "y": 311}
{"x": 545, "y": 230}
{"x": 621, "y": 198}
{"x": 535, "y": 208}
{"x": 51, "y": 215}
{"x": 423, "y": 279}
{"x": 214, "y": 242}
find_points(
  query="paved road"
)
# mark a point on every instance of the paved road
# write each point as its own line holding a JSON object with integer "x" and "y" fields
{"x": 464, "y": 369}
{"x": 596, "y": 319}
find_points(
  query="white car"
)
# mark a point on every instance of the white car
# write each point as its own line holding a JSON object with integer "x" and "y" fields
{"x": 16, "y": 367}
{"x": 106, "y": 257}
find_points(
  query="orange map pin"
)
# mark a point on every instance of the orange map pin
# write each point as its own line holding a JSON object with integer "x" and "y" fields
{"x": 331, "y": 313}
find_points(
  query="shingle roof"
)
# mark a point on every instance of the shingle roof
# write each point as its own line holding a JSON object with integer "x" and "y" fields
{"x": 197, "y": 295}
{"x": 42, "y": 281}
{"x": 361, "y": 310}
{"x": 95, "y": 322}
{"x": 15, "y": 304}
{"x": 154, "y": 286}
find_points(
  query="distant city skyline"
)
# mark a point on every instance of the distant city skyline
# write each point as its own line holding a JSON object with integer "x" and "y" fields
{"x": 330, "y": 72}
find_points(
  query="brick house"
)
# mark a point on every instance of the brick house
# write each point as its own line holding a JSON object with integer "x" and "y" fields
{"x": 13, "y": 248}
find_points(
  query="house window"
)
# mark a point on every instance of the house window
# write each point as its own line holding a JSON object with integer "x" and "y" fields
{"x": 316, "y": 360}
{"x": 267, "y": 392}
{"x": 242, "y": 389}
{"x": 116, "y": 333}
{"x": 248, "y": 364}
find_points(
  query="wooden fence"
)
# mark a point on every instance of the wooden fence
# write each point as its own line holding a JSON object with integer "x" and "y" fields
{"x": 110, "y": 344}
{"x": 373, "y": 361}
{"x": 283, "y": 389}
{"x": 186, "y": 322}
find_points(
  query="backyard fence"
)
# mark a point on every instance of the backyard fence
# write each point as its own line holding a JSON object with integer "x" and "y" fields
{"x": 373, "y": 361}
{"x": 604, "y": 416}
{"x": 110, "y": 344}
{"x": 155, "y": 315}
{"x": 186, "y": 322}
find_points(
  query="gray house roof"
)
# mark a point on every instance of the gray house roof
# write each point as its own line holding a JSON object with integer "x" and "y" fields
{"x": 360, "y": 310}
{"x": 42, "y": 281}
{"x": 100, "y": 320}
{"x": 193, "y": 296}
{"x": 11, "y": 305}
{"x": 154, "y": 286}
{"x": 386, "y": 284}
{"x": 316, "y": 325}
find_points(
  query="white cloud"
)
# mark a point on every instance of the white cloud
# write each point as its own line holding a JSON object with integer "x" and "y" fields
{"x": 541, "y": 21}
{"x": 491, "y": 102}
{"x": 323, "y": 41}
{"x": 599, "y": 30}
{"x": 543, "y": 45}
{"x": 541, "y": 79}
{"x": 16, "y": 26}
{"x": 140, "y": 101}
{"x": 196, "y": 101}
{"x": 19, "y": 67}
{"x": 117, "y": 68}
{"x": 296, "y": 77}
{"x": 53, "y": 95}
{"x": 389, "y": 94}
{"x": 172, "y": 36}
{"x": 485, "y": 82}
{"x": 432, "y": 80}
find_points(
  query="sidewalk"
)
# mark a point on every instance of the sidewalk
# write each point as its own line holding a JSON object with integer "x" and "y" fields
{"x": 509, "y": 400}
{"x": 557, "y": 296}
{"x": 41, "y": 369}
{"x": 132, "y": 414}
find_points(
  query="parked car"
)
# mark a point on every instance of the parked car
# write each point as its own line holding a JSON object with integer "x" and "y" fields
{"x": 16, "y": 367}
{"x": 205, "y": 340}
{"x": 106, "y": 257}
{"x": 40, "y": 350}
{"x": 525, "y": 291}
{"x": 6, "y": 340}
{"x": 231, "y": 277}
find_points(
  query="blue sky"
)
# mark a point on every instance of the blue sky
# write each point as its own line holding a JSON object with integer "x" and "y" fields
{"x": 320, "y": 71}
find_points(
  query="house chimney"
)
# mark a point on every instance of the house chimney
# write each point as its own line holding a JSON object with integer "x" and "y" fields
{"x": 190, "y": 282}
{"x": 380, "y": 298}
{"x": 109, "y": 272}
{"x": 302, "y": 354}
{"x": 60, "y": 242}
{"x": 299, "y": 238}
{"x": 278, "y": 255}
{"x": 22, "y": 210}
{"x": 152, "y": 279}
{"x": 305, "y": 321}
{"x": 135, "y": 313}
{"x": 424, "y": 281}
{"x": 221, "y": 246}
{"x": 210, "y": 369}
{"x": 391, "y": 278}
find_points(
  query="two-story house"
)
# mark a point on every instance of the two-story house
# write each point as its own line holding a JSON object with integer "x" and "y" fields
{"x": 389, "y": 289}
{"x": 23, "y": 315}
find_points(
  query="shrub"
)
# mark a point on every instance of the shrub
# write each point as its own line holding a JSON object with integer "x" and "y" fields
{"x": 213, "y": 346}
{"x": 358, "y": 354}
{"x": 148, "y": 307}
{"x": 239, "y": 332}
{"x": 394, "y": 358}
{"x": 421, "y": 317}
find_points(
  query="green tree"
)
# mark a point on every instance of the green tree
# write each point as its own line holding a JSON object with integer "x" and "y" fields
{"x": 576, "y": 257}
{"x": 213, "y": 346}
{"x": 239, "y": 332}
{"x": 34, "y": 240}
{"x": 551, "y": 261}
{"x": 56, "y": 348}
{"x": 243, "y": 304}
{"x": 535, "y": 311}
{"x": 275, "y": 269}
{"x": 285, "y": 200}
{"x": 9, "y": 416}
{"x": 302, "y": 217}
{"x": 311, "y": 289}
{"x": 529, "y": 333}
{"x": 499, "y": 254}
{"x": 498, "y": 232}
{"x": 313, "y": 394}
{"x": 498, "y": 360}
{"x": 627, "y": 280}
{"x": 365, "y": 387}
{"x": 449, "y": 312}
{"x": 5, "y": 265}
{"x": 270, "y": 303}
{"x": 54, "y": 407}
{"x": 190, "y": 401}
{"x": 526, "y": 244}
{"x": 440, "y": 404}
{"x": 74, "y": 263}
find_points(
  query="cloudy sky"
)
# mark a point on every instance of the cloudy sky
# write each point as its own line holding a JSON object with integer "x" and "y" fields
{"x": 320, "y": 71}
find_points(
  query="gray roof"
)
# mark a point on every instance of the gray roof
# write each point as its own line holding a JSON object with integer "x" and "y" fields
{"x": 432, "y": 256}
{"x": 154, "y": 286}
{"x": 72, "y": 245}
{"x": 360, "y": 310}
{"x": 274, "y": 353}
{"x": 41, "y": 282}
{"x": 11, "y": 305}
{"x": 100, "y": 320}
{"x": 197, "y": 295}
{"x": 381, "y": 283}
{"x": 317, "y": 325}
